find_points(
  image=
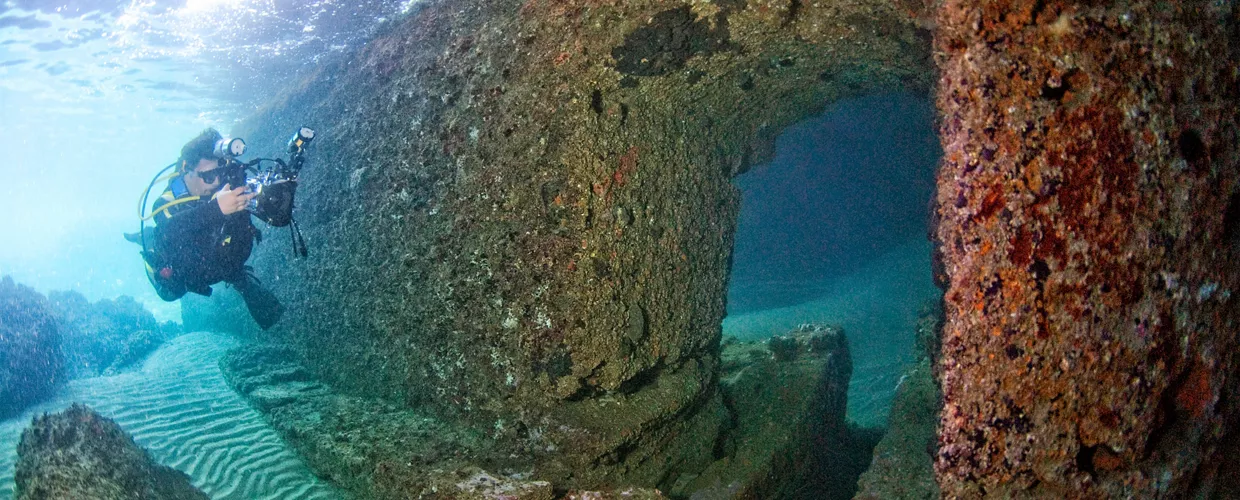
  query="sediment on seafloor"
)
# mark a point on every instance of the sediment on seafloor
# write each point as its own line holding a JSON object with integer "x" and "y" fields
{"x": 520, "y": 213}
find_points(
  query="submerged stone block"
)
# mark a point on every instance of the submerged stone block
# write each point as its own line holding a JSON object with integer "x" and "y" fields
{"x": 787, "y": 432}
{"x": 521, "y": 213}
{"x": 79, "y": 454}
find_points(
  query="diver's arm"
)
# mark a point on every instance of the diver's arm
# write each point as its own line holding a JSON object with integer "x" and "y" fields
{"x": 181, "y": 225}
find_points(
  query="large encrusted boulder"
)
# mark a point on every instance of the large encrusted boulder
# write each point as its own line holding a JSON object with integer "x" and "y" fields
{"x": 79, "y": 454}
{"x": 787, "y": 435}
{"x": 521, "y": 213}
{"x": 107, "y": 334}
{"x": 31, "y": 363}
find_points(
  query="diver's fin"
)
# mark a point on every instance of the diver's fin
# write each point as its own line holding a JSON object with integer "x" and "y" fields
{"x": 264, "y": 307}
{"x": 136, "y": 237}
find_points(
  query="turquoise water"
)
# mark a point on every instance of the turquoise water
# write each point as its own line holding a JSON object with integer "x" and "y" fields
{"x": 177, "y": 406}
{"x": 96, "y": 96}
{"x": 834, "y": 230}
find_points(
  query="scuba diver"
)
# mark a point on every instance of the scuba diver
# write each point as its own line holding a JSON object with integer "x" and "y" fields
{"x": 203, "y": 233}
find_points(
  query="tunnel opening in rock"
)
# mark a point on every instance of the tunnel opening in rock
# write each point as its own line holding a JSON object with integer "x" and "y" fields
{"x": 834, "y": 230}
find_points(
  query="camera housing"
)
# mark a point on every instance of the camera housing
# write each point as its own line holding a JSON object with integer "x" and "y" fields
{"x": 274, "y": 186}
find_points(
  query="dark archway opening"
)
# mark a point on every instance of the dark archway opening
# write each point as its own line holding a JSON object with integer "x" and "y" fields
{"x": 834, "y": 230}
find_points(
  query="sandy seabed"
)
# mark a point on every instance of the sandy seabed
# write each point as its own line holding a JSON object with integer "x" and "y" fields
{"x": 178, "y": 407}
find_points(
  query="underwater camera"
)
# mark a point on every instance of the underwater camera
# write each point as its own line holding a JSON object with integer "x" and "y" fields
{"x": 275, "y": 185}
{"x": 272, "y": 181}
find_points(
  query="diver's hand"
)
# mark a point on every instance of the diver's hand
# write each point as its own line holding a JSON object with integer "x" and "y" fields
{"x": 232, "y": 200}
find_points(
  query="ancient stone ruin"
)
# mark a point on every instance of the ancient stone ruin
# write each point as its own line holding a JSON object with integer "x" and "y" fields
{"x": 521, "y": 221}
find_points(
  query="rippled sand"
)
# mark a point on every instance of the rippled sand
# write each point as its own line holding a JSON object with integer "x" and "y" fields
{"x": 179, "y": 408}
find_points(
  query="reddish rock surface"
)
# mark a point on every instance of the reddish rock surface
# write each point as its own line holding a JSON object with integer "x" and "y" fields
{"x": 1088, "y": 215}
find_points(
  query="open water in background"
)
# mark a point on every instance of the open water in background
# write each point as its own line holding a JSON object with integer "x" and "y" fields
{"x": 97, "y": 95}
{"x": 178, "y": 407}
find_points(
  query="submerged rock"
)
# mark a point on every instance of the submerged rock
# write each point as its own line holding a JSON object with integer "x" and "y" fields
{"x": 521, "y": 213}
{"x": 375, "y": 449}
{"x": 79, "y": 454}
{"x": 1088, "y": 201}
{"x": 370, "y": 447}
{"x": 108, "y": 335}
{"x": 472, "y": 483}
{"x": 788, "y": 436}
{"x": 620, "y": 494}
{"x": 903, "y": 463}
{"x": 31, "y": 362}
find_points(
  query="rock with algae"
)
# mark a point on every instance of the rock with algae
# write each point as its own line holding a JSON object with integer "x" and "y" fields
{"x": 80, "y": 454}
{"x": 521, "y": 213}
{"x": 31, "y": 360}
{"x": 1088, "y": 211}
{"x": 787, "y": 437}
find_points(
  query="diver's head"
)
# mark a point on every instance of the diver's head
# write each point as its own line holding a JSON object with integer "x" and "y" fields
{"x": 203, "y": 172}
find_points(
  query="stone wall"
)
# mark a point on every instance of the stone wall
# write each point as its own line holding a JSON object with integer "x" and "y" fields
{"x": 1089, "y": 222}
{"x": 519, "y": 213}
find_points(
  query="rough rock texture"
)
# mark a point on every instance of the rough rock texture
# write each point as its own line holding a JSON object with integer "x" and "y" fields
{"x": 135, "y": 347}
{"x": 79, "y": 454}
{"x": 371, "y": 448}
{"x": 31, "y": 363}
{"x": 787, "y": 437}
{"x": 519, "y": 212}
{"x": 623, "y": 494}
{"x": 108, "y": 334}
{"x": 903, "y": 463}
{"x": 1089, "y": 221}
{"x": 375, "y": 449}
{"x": 476, "y": 484}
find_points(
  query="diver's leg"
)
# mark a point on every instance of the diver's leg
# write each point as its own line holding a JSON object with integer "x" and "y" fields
{"x": 264, "y": 307}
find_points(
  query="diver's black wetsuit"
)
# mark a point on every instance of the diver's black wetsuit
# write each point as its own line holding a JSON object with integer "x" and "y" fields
{"x": 196, "y": 246}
